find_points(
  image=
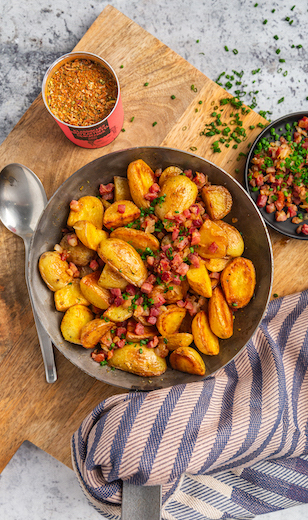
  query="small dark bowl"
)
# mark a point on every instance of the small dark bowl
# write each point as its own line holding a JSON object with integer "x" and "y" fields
{"x": 249, "y": 223}
{"x": 286, "y": 228}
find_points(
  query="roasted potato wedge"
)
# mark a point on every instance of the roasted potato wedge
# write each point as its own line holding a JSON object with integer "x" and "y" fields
{"x": 93, "y": 331}
{"x": 217, "y": 200}
{"x": 118, "y": 314}
{"x": 179, "y": 193}
{"x": 73, "y": 321}
{"x": 148, "y": 333}
{"x": 68, "y": 296}
{"x": 216, "y": 265}
{"x": 169, "y": 321}
{"x": 96, "y": 295}
{"x": 171, "y": 292}
{"x": 214, "y": 241}
{"x": 176, "y": 340}
{"x": 170, "y": 171}
{"x": 205, "y": 340}
{"x": 86, "y": 208}
{"x": 121, "y": 189}
{"x": 138, "y": 360}
{"x": 111, "y": 279}
{"x": 199, "y": 280}
{"x": 140, "y": 178}
{"x": 120, "y": 213}
{"x": 124, "y": 259}
{"x": 220, "y": 315}
{"x": 53, "y": 270}
{"x": 89, "y": 235}
{"x": 79, "y": 254}
{"x": 235, "y": 245}
{"x": 140, "y": 240}
{"x": 238, "y": 281}
{"x": 187, "y": 359}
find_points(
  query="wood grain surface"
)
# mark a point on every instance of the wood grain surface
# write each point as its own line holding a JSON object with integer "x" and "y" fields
{"x": 47, "y": 415}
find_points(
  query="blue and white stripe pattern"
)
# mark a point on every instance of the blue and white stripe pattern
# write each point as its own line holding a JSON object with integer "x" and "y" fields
{"x": 232, "y": 446}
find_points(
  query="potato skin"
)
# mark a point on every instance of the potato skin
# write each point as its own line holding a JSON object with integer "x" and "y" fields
{"x": 235, "y": 245}
{"x": 217, "y": 200}
{"x": 73, "y": 321}
{"x": 216, "y": 265}
{"x": 180, "y": 193}
{"x": 169, "y": 321}
{"x": 214, "y": 241}
{"x": 124, "y": 258}
{"x": 88, "y": 234}
{"x": 199, "y": 280}
{"x": 170, "y": 171}
{"x": 187, "y": 359}
{"x": 96, "y": 295}
{"x": 178, "y": 339}
{"x": 220, "y": 315}
{"x": 80, "y": 254}
{"x": 68, "y": 296}
{"x": 93, "y": 331}
{"x": 140, "y": 240}
{"x": 140, "y": 178}
{"x": 114, "y": 219}
{"x": 205, "y": 340}
{"x": 111, "y": 279}
{"x": 238, "y": 281}
{"x": 121, "y": 189}
{"x": 118, "y": 313}
{"x": 138, "y": 360}
{"x": 91, "y": 209}
{"x": 53, "y": 270}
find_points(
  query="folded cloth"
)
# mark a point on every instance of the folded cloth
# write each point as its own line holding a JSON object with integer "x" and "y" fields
{"x": 231, "y": 446}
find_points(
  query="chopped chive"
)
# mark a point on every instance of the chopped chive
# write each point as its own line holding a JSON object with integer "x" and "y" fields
{"x": 235, "y": 51}
{"x": 155, "y": 123}
{"x": 173, "y": 96}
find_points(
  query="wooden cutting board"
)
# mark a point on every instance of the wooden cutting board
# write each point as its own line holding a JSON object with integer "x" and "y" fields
{"x": 31, "y": 409}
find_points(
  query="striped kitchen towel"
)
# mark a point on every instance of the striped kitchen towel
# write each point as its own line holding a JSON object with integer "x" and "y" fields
{"x": 232, "y": 446}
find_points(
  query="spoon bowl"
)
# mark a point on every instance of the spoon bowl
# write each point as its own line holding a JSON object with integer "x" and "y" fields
{"x": 22, "y": 201}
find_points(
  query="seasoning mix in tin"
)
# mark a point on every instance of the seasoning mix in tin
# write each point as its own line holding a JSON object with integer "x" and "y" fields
{"x": 81, "y": 92}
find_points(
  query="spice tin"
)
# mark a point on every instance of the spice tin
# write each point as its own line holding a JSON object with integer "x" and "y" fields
{"x": 96, "y": 135}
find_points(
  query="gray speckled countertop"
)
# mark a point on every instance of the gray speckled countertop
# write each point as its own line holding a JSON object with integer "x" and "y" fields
{"x": 34, "y": 33}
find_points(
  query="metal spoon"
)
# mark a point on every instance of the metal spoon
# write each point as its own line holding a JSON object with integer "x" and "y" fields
{"x": 22, "y": 200}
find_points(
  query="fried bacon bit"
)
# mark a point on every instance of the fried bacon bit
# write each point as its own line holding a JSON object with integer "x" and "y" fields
{"x": 280, "y": 216}
{"x": 120, "y": 331}
{"x": 99, "y": 356}
{"x": 146, "y": 287}
{"x": 106, "y": 191}
{"x": 120, "y": 343}
{"x": 152, "y": 320}
{"x": 131, "y": 289}
{"x": 150, "y": 260}
{"x": 110, "y": 354}
{"x": 188, "y": 173}
{"x": 200, "y": 179}
{"x": 213, "y": 247}
{"x": 161, "y": 350}
{"x": 195, "y": 237}
{"x": 121, "y": 208}
{"x": 72, "y": 240}
{"x": 94, "y": 265}
{"x": 75, "y": 205}
{"x": 153, "y": 343}
{"x": 215, "y": 275}
{"x": 139, "y": 329}
{"x": 148, "y": 225}
{"x": 64, "y": 255}
{"x": 302, "y": 229}
{"x": 182, "y": 269}
{"x": 194, "y": 260}
{"x": 58, "y": 248}
{"x": 73, "y": 270}
{"x": 153, "y": 192}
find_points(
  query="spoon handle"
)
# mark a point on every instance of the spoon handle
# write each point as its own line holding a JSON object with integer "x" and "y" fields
{"x": 46, "y": 349}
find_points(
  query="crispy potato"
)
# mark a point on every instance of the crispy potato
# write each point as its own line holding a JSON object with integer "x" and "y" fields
{"x": 220, "y": 315}
{"x": 98, "y": 296}
{"x": 114, "y": 219}
{"x": 169, "y": 321}
{"x": 171, "y": 292}
{"x": 93, "y": 331}
{"x": 111, "y": 279}
{"x": 205, "y": 340}
{"x": 124, "y": 259}
{"x": 179, "y": 192}
{"x": 87, "y": 208}
{"x": 73, "y": 321}
{"x": 140, "y": 240}
{"x": 138, "y": 360}
{"x": 79, "y": 254}
{"x": 140, "y": 178}
{"x": 53, "y": 270}
{"x": 214, "y": 241}
{"x": 170, "y": 171}
{"x": 217, "y": 200}
{"x": 118, "y": 314}
{"x": 121, "y": 189}
{"x": 216, "y": 265}
{"x": 235, "y": 241}
{"x": 176, "y": 340}
{"x": 238, "y": 281}
{"x": 89, "y": 235}
{"x": 106, "y": 203}
{"x": 69, "y": 295}
{"x": 149, "y": 332}
{"x": 187, "y": 359}
{"x": 199, "y": 280}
